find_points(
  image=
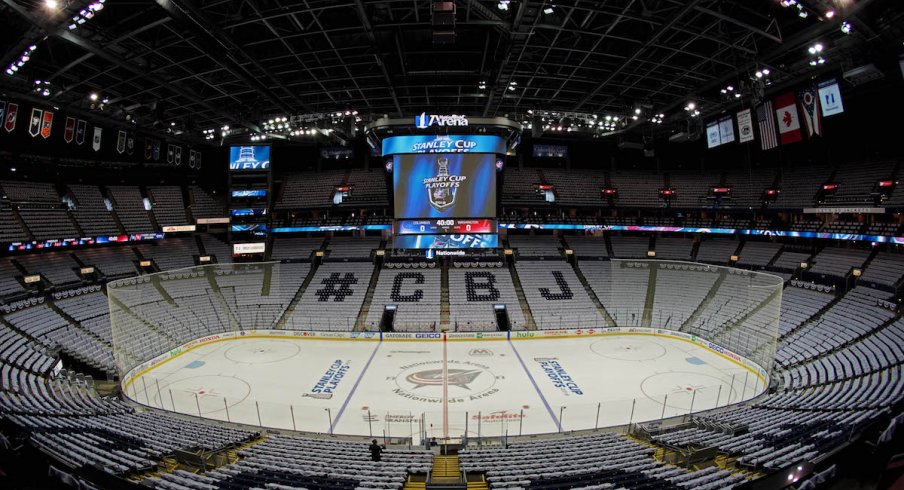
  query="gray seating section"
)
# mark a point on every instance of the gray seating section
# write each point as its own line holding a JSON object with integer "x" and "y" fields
{"x": 518, "y": 187}
{"x": 295, "y": 248}
{"x": 838, "y": 261}
{"x": 352, "y": 248}
{"x": 535, "y": 245}
{"x": 171, "y": 253}
{"x": 674, "y": 248}
{"x": 716, "y": 250}
{"x": 110, "y": 261}
{"x": 885, "y": 269}
{"x": 588, "y": 246}
{"x": 416, "y": 295}
{"x": 167, "y": 205}
{"x": 129, "y": 207}
{"x": 472, "y": 294}
{"x": 621, "y": 286}
{"x": 758, "y": 254}
{"x": 556, "y": 296}
{"x": 309, "y": 189}
{"x": 91, "y": 211}
{"x": 10, "y": 229}
{"x": 630, "y": 247}
{"x": 637, "y": 189}
{"x": 218, "y": 248}
{"x": 333, "y": 298}
{"x": 205, "y": 205}
{"x": 57, "y": 267}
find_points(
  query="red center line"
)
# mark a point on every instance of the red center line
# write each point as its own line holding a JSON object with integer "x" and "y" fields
{"x": 445, "y": 390}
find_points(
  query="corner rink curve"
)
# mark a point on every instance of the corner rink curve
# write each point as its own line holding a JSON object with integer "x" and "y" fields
{"x": 445, "y": 385}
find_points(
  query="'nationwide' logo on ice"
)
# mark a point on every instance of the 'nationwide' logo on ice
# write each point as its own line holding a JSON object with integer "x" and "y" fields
{"x": 424, "y": 120}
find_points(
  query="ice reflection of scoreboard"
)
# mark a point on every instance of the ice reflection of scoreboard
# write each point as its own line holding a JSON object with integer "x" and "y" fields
{"x": 444, "y": 226}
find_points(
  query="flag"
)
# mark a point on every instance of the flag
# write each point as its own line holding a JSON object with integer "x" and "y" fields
{"x": 130, "y": 144}
{"x": 2, "y": 110}
{"x": 788, "y": 120}
{"x": 766, "y": 123}
{"x": 745, "y": 126}
{"x": 80, "y": 129}
{"x": 148, "y": 149}
{"x": 97, "y": 135}
{"x": 712, "y": 135}
{"x": 156, "y": 150}
{"x": 829, "y": 98}
{"x": 34, "y": 124}
{"x": 809, "y": 105}
{"x": 726, "y": 130}
{"x": 47, "y": 124}
{"x": 169, "y": 153}
{"x": 121, "y": 142}
{"x": 178, "y": 156}
{"x": 69, "y": 132}
{"x": 11, "y": 112}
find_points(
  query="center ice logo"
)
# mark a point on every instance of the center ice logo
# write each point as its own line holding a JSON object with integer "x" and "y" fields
{"x": 434, "y": 377}
{"x": 423, "y": 381}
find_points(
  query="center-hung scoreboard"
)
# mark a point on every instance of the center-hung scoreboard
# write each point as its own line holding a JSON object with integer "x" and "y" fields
{"x": 444, "y": 185}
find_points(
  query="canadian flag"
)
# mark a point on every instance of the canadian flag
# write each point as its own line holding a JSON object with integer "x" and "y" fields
{"x": 788, "y": 120}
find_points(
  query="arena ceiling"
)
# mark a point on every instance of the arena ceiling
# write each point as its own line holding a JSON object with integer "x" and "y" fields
{"x": 203, "y": 64}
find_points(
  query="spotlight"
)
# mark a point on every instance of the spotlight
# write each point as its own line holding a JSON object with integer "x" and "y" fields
{"x": 93, "y": 96}
{"x": 51, "y": 4}
{"x": 830, "y": 14}
{"x": 846, "y": 27}
{"x": 548, "y": 10}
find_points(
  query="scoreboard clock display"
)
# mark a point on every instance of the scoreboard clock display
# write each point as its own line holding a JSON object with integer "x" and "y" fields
{"x": 444, "y": 226}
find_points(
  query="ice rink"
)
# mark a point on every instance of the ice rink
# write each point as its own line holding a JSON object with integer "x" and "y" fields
{"x": 482, "y": 387}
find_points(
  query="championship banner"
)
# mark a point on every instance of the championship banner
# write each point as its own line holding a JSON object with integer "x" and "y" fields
{"x": 130, "y": 144}
{"x": 148, "y": 149}
{"x": 788, "y": 120}
{"x": 34, "y": 124}
{"x": 69, "y": 132}
{"x": 198, "y": 159}
{"x": 829, "y": 98}
{"x": 809, "y": 104}
{"x": 11, "y": 112}
{"x": 121, "y": 142}
{"x": 726, "y": 130}
{"x": 178, "y": 156}
{"x": 80, "y": 129}
{"x": 745, "y": 126}
{"x": 191, "y": 158}
{"x": 47, "y": 124}
{"x": 95, "y": 144}
{"x": 2, "y": 110}
{"x": 169, "y": 153}
{"x": 712, "y": 135}
{"x": 156, "y": 150}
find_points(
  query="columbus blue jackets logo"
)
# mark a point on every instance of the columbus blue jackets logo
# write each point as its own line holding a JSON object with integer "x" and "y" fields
{"x": 434, "y": 377}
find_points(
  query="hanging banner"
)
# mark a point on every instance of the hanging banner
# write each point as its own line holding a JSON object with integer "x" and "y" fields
{"x": 198, "y": 160}
{"x": 34, "y": 124}
{"x": 47, "y": 124}
{"x": 130, "y": 144}
{"x": 829, "y": 98}
{"x": 191, "y": 158}
{"x": 121, "y": 142}
{"x": 156, "y": 150}
{"x": 95, "y": 144}
{"x": 809, "y": 105}
{"x": 80, "y": 129}
{"x": 712, "y": 135}
{"x": 148, "y": 149}
{"x": 178, "y": 156}
{"x": 11, "y": 112}
{"x": 2, "y": 110}
{"x": 745, "y": 126}
{"x": 69, "y": 132}
{"x": 169, "y": 153}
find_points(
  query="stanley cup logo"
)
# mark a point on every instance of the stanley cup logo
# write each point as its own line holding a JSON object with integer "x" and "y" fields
{"x": 442, "y": 188}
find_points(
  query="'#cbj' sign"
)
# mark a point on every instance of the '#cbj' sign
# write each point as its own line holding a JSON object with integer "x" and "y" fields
{"x": 425, "y": 120}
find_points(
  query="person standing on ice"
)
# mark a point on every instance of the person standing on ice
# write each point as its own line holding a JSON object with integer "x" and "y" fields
{"x": 375, "y": 450}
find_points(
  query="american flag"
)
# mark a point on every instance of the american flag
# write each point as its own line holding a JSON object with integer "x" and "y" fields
{"x": 764, "y": 115}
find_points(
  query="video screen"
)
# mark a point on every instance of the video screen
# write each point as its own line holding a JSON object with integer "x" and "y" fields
{"x": 444, "y": 186}
{"x": 249, "y": 158}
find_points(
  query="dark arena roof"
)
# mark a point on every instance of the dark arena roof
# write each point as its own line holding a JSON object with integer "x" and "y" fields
{"x": 633, "y": 244}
